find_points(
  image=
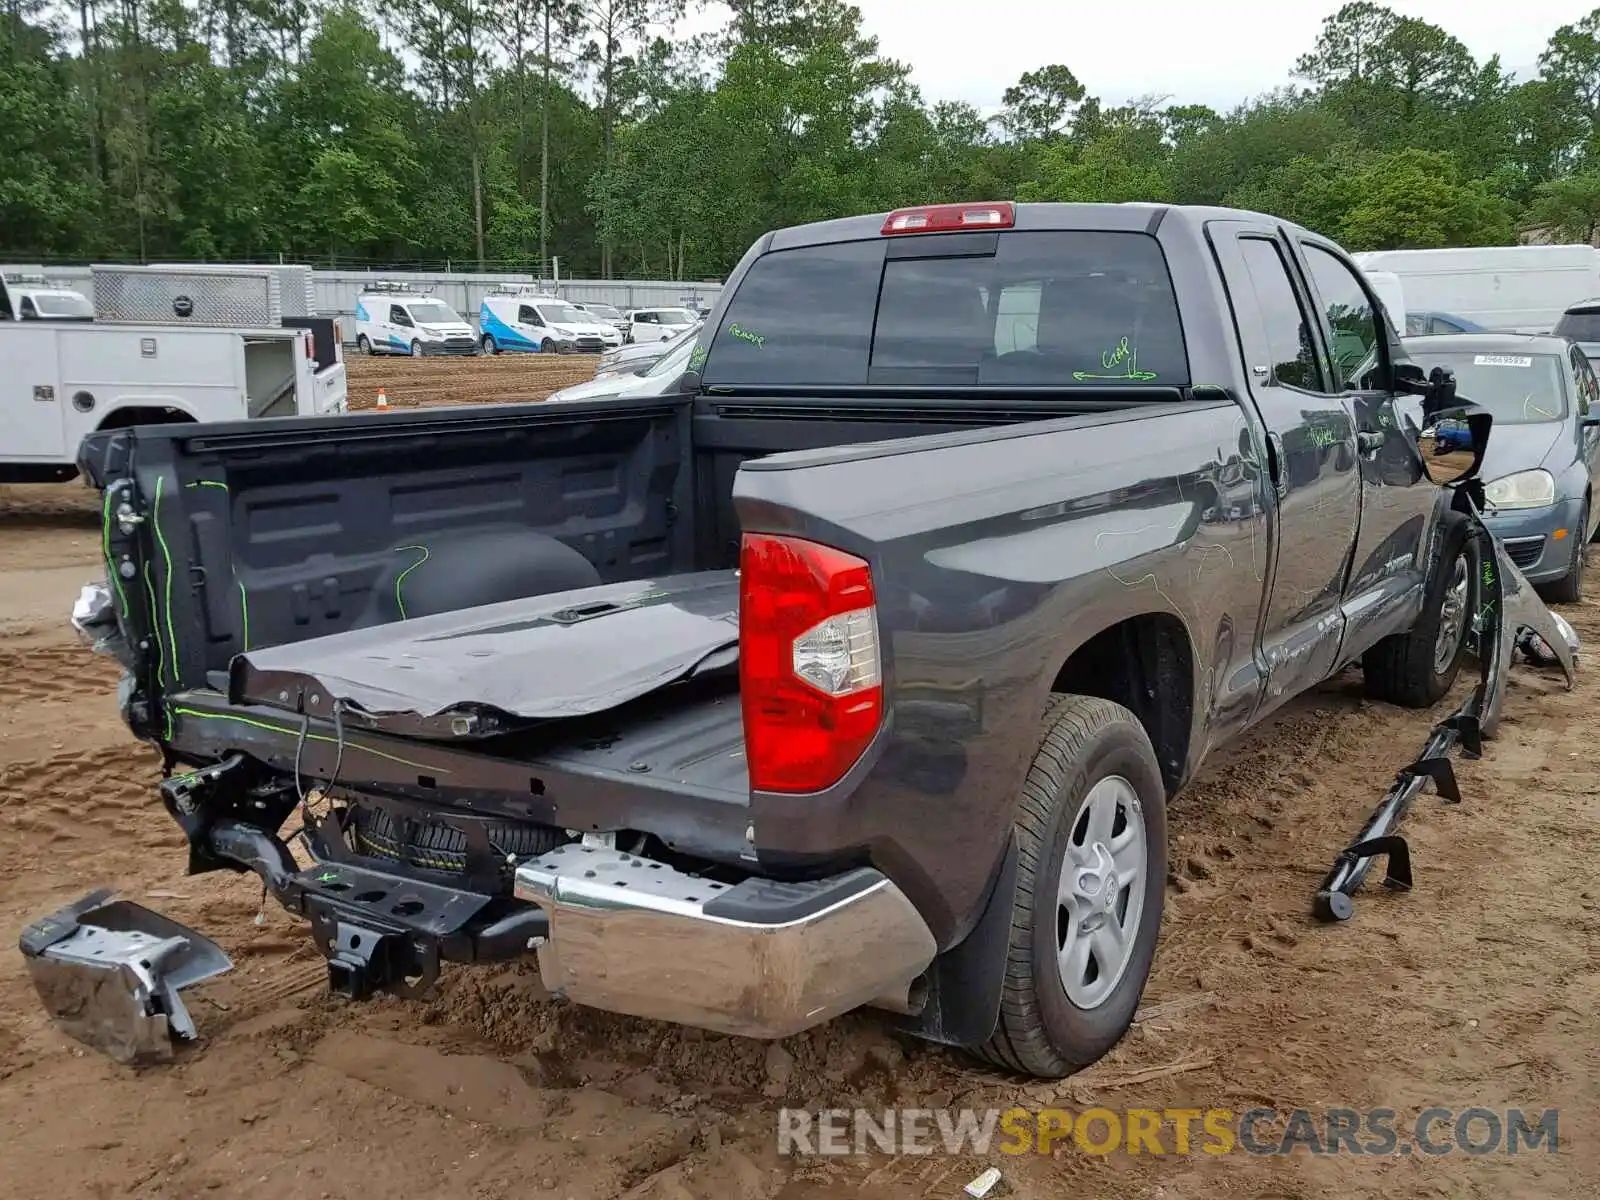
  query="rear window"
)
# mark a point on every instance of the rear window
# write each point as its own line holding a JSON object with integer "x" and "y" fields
{"x": 1028, "y": 309}
{"x": 1581, "y": 326}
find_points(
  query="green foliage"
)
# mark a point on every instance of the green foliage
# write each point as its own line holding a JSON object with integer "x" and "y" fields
{"x": 506, "y": 131}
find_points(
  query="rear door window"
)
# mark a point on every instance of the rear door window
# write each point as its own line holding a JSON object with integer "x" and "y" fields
{"x": 1287, "y": 333}
{"x": 1014, "y": 309}
{"x": 1581, "y": 326}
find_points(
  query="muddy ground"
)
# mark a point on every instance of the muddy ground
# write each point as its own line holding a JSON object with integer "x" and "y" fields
{"x": 1478, "y": 988}
{"x": 501, "y": 379}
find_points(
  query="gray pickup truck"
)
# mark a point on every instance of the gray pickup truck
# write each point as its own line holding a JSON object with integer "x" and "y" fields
{"x": 857, "y": 671}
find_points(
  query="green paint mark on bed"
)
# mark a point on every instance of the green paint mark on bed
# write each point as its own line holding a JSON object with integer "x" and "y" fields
{"x": 155, "y": 627}
{"x": 244, "y": 613}
{"x": 105, "y": 549}
{"x": 745, "y": 335}
{"x": 1121, "y": 355}
{"x": 401, "y": 578}
{"x": 210, "y": 483}
{"x": 293, "y": 731}
{"x": 166, "y": 555}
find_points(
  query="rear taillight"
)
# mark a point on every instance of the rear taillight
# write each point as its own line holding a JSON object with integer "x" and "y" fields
{"x": 810, "y": 675}
{"x": 937, "y": 218}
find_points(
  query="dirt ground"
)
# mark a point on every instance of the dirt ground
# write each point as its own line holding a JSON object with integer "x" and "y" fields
{"x": 502, "y": 379}
{"x": 1477, "y": 989}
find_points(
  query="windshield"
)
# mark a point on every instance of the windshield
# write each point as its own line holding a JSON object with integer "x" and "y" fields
{"x": 62, "y": 304}
{"x": 675, "y": 360}
{"x": 1058, "y": 309}
{"x": 1581, "y": 326}
{"x": 604, "y": 311}
{"x": 558, "y": 312}
{"x": 677, "y": 316}
{"x": 433, "y": 312}
{"x": 1518, "y": 389}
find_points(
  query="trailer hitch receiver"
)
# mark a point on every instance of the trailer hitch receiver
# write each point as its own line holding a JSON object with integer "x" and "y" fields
{"x": 109, "y": 973}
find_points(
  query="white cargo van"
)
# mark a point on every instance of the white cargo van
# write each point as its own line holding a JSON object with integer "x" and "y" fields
{"x": 66, "y": 379}
{"x": 659, "y": 324}
{"x": 1517, "y": 289}
{"x": 35, "y": 298}
{"x": 398, "y": 318}
{"x": 520, "y": 318}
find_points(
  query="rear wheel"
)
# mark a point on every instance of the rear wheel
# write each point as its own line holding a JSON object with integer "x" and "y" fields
{"x": 488, "y": 345}
{"x": 1417, "y": 668}
{"x": 1569, "y": 588}
{"x": 1091, "y": 832}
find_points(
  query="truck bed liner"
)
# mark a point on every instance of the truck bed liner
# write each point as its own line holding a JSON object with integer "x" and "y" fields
{"x": 489, "y": 670}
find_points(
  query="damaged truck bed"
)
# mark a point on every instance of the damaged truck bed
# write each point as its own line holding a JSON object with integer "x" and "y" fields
{"x": 856, "y": 671}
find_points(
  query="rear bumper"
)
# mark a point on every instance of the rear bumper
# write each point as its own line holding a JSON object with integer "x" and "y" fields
{"x": 757, "y": 959}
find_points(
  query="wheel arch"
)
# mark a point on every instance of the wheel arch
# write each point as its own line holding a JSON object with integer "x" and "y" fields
{"x": 1146, "y": 663}
{"x": 145, "y": 411}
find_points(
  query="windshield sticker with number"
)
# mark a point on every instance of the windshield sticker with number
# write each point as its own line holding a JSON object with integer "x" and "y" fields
{"x": 1501, "y": 360}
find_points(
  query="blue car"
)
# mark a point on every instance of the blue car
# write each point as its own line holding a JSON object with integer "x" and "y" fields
{"x": 1544, "y": 450}
{"x": 1424, "y": 323}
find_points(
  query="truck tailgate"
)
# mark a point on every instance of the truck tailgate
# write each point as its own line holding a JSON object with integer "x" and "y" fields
{"x": 486, "y": 670}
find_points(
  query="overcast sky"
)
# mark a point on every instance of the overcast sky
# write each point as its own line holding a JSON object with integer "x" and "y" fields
{"x": 1219, "y": 53}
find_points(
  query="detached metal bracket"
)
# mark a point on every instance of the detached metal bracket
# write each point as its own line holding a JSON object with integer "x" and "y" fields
{"x": 109, "y": 973}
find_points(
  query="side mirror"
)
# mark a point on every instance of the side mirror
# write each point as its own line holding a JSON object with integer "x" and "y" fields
{"x": 1447, "y": 452}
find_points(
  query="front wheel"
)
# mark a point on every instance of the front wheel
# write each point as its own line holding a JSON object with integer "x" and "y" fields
{"x": 1091, "y": 832}
{"x": 488, "y": 345}
{"x": 416, "y": 349}
{"x": 546, "y": 346}
{"x": 363, "y": 346}
{"x": 1418, "y": 668}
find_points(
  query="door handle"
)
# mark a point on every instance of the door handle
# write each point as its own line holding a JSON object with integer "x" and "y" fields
{"x": 1369, "y": 441}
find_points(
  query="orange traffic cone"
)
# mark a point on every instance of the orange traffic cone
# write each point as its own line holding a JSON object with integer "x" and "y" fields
{"x": 383, "y": 399}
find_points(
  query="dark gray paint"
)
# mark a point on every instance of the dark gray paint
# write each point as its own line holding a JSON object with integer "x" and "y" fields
{"x": 999, "y": 550}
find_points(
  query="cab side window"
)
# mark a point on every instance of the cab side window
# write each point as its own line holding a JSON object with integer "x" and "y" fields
{"x": 1288, "y": 335}
{"x": 528, "y": 315}
{"x": 1352, "y": 323}
{"x": 646, "y": 318}
{"x": 397, "y": 315}
{"x": 29, "y": 313}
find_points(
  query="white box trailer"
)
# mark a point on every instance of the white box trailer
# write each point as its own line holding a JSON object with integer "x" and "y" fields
{"x": 63, "y": 381}
{"x": 1520, "y": 289}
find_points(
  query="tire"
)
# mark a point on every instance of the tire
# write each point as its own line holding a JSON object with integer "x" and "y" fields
{"x": 363, "y": 346}
{"x": 546, "y": 346}
{"x": 439, "y": 847}
{"x": 488, "y": 345}
{"x": 416, "y": 349}
{"x": 1569, "y": 588}
{"x": 1412, "y": 669}
{"x": 1092, "y": 750}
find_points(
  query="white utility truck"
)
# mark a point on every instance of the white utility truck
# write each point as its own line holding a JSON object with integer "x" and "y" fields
{"x": 165, "y": 345}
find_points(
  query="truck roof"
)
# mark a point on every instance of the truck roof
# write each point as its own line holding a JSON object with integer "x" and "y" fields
{"x": 1132, "y": 217}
